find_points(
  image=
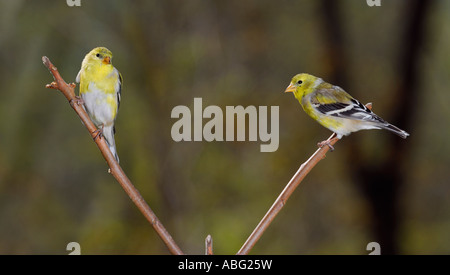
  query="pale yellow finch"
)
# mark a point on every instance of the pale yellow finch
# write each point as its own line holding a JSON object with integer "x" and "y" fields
{"x": 334, "y": 108}
{"x": 100, "y": 87}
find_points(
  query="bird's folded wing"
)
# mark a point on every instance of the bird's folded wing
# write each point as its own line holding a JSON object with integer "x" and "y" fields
{"x": 336, "y": 102}
{"x": 118, "y": 87}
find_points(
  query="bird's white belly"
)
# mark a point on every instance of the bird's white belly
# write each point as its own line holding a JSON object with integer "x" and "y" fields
{"x": 96, "y": 103}
{"x": 343, "y": 126}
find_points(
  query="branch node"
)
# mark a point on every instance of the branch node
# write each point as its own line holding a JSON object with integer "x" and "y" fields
{"x": 52, "y": 85}
{"x": 48, "y": 64}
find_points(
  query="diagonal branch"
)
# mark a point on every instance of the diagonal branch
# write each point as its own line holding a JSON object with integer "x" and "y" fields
{"x": 284, "y": 196}
{"x": 276, "y": 207}
{"x": 115, "y": 169}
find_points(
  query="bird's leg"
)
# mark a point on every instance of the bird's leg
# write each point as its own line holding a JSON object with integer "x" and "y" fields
{"x": 98, "y": 133}
{"x": 328, "y": 142}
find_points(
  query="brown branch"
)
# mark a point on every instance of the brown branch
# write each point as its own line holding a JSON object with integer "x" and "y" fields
{"x": 284, "y": 196}
{"x": 276, "y": 207}
{"x": 208, "y": 245}
{"x": 115, "y": 169}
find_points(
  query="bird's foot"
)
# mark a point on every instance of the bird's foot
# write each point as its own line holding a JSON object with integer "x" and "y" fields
{"x": 328, "y": 142}
{"x": 98, "y": 133}
{"x": 78, "y": 100}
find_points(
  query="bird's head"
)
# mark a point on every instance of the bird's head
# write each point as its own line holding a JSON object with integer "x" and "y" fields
{"x": 302, "y": 83}
{"x": 99, "y": 55}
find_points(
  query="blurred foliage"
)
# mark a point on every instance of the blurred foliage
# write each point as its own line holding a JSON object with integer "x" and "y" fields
{"x": 54, "y": 185}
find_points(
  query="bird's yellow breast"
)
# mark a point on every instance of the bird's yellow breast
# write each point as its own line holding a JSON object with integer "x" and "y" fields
{"x": 99, "y": 84}
{"x": 102, "y": 75}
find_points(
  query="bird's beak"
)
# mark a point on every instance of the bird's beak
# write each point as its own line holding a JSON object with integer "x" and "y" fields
{"x": 290, "y": 89}
{"x": 106, "y": 60}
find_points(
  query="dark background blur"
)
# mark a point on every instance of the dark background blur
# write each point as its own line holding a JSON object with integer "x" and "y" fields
{"x": 54, "y": 185}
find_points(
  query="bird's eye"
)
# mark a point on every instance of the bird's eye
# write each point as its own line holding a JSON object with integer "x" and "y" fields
{"x": 98, "y": 55}
{"x": 299, "y": 82}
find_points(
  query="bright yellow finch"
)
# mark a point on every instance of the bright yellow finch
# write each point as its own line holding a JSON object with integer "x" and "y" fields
{"x": 100, "y": 88}
{"x": 334, "y": 108}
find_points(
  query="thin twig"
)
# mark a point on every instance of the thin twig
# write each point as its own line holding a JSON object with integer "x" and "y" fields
{"x": 304, "y": 169}
{"x": 116, "y": 170}
{"x": 208, "y": 245}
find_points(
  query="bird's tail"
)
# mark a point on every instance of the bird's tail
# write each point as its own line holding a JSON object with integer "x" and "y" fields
{"x": 394, "y": 129}
{"x": 108, "y": 133}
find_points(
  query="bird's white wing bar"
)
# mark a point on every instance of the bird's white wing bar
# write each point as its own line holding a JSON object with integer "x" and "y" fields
{"x": 353, "y": 110}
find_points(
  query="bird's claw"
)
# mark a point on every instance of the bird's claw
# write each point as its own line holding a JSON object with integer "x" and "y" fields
{"x": 98, "y": 133}
{"x": 78, "y": 100}
{"x": 327, "y": 143}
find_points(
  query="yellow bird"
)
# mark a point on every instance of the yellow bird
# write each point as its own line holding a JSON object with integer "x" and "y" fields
{"x": 334, "y": 108}
{"x": 100, "y": 88}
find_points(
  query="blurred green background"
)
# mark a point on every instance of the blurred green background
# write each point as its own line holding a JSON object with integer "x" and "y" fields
{"x": 54, "y": 185}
